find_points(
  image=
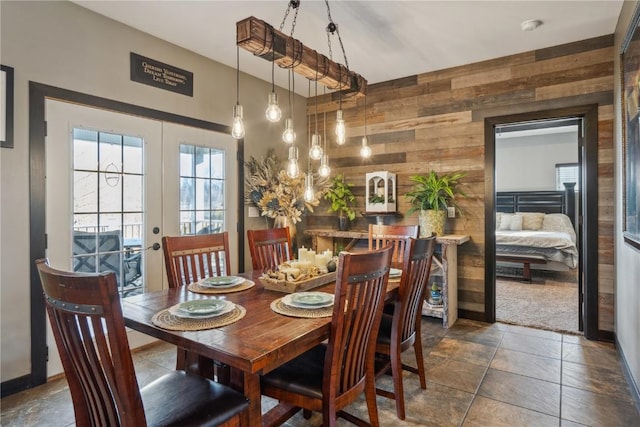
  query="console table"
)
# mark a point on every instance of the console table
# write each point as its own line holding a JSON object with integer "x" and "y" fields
{"x": 445, "y": 264}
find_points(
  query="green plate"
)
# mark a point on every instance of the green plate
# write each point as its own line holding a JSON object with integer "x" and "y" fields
{"x": 202, "y": 307}
{"x": 394, "y": 272}
{"x": 222, "y": 281}
{"x": 311, "y": 298}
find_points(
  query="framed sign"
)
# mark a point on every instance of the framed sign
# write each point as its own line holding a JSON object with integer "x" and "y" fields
{"x": 6, "y": 106}
{"x": 630, "y": 66}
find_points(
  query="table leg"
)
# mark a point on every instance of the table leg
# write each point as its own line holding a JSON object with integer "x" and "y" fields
{"x": 249, "y": 385}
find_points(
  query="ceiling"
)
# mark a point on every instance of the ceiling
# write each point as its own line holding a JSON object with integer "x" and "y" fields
{"x": 383, "y": 40}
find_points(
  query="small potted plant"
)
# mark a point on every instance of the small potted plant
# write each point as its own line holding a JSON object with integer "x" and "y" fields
{"x": 431, "y": 196}
{"x": 342, "y": 201}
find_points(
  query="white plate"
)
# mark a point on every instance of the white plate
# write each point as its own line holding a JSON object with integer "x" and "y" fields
{"x": 201, "y": 309}
{"x": 309, "y": 300}
{"x": 221, "y": 281}
{"x": 394, "y": 272}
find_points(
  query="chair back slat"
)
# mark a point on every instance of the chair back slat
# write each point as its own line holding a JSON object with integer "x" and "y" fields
{"x": 89, "y": 330}
{"x": 189, "y": 259}
{"x": 398, "y": 235}
{"x": 269, "y": 248}
{"x": 360, "y": 288}
{"x": 415, "y": 277}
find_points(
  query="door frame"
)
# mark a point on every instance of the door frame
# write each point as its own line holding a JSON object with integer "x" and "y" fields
{"x": 38, "y": 92}
{"x": 587, "y": 223}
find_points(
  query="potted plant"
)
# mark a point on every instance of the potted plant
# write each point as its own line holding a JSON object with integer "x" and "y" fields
{"x": 342, "y": 201}
{"x": 431, "y": 196}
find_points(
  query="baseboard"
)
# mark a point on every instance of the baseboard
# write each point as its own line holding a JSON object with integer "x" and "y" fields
{"x": 15, "y": 385}
{"x": 635, "y": 392}
{"x": 606, "y": 336}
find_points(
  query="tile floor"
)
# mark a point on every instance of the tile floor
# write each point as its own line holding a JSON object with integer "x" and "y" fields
{"x": 477, "y": 375}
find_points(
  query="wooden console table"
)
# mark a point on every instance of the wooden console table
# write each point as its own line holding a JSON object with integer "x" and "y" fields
{"x": 445, "y": 264}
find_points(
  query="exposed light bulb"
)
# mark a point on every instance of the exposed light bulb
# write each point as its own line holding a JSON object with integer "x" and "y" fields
{"x": 237, "y": 127}
{"x": 288, "y": 136}
{"x": 309, "y": 192}
{"x": 324, "y": 170}
{"x": 273, "y": 112}
{"x": 316, "y": 150}
{"x": 341, "y": 130}
{"x": 293, "y": 170}
{"x": 365, "y": 150}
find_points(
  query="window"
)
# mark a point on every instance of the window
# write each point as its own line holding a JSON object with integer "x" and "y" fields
{"x": 202, "y": 189}
{"x": 108, "y": 206}
{"x": 567, "y": 172}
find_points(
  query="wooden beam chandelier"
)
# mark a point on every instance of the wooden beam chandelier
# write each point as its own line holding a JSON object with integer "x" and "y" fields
{"x": 263, "y": 40}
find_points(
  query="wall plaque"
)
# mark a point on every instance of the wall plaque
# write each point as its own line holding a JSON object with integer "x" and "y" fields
{"x": 155, "y": 73}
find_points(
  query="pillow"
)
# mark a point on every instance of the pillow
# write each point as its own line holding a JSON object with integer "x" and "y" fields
{"x": 511, "y": 222}
{"x": 498, "y": 219}
{"x": 532, "y": 220}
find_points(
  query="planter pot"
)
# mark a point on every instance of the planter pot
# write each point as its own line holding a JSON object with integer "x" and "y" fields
{"x": 432, "y": 221}
{"x": 343, "y": 223}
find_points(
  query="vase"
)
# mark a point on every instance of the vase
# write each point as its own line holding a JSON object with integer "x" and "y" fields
{"x": 283, "y": 221}
{"x": 432, "y": 221}
{"x": 343, "y": 223}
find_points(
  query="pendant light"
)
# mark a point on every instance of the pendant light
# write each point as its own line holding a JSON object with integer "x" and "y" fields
{"x": 341, "y": 130}
{"x": 365, "y": 150}
{"x": 237, "y": 127}
{"x": 309, "y": 191}
{"x": 316, "y": 149}
{"x": 273, "y": 113}
{"x": 324, "y": 170}
{"x": 289, "y": 136}
{"x": 293, "y": 169}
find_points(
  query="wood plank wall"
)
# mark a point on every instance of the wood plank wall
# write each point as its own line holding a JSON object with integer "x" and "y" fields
{"x": 435, "y": 121}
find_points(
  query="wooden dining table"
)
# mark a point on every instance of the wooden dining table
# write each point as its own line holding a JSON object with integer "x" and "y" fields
{"x": 254, "y": 345}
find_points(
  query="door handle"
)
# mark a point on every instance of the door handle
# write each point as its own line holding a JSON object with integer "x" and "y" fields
{"x": 155, "y": 246}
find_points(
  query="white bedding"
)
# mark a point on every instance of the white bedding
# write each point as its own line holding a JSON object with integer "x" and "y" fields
{"x": 555, "y": 241}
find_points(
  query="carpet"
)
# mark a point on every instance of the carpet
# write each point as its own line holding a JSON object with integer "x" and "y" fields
{"x": 550, "y": 304}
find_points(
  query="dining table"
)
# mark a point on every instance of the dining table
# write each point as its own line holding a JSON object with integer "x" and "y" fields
{"x": 258, "y": 342}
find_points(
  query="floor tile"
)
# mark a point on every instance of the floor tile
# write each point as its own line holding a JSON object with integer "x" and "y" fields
{"x": 454, "y": 373}
{"x": 532, "y": 332}
{"x": 475, "y": 333}
{"x": 595, "y": 409}
{"x": 596, "y": 379}
{"x": 532, "y": 345}
{"x": 589, "y": 355}
{"x": 465, "y": 351}
{"x": 577, "y": 339}
{"x": 488, "y": 412}
{"x": 530, "y": 393}
{"x": 530, "y": 365}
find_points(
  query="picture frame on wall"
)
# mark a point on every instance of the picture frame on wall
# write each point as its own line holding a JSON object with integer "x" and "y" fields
{"x": 6, "y": 106}
{"x": 630, "y": 67}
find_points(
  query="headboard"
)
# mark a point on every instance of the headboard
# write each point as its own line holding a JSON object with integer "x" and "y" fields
{"x": 539, "y": 201}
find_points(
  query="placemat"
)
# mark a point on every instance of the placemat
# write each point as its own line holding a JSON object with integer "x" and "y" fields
{"x": 199, "y": 289}
{"x": 166, "y": 320}
{"x": 281, "y": 308}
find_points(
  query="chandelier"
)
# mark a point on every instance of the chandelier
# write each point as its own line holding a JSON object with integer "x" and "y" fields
{"x": 263, "y": 40}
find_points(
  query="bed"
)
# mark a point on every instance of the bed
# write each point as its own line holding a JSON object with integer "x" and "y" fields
{"x": 536, "y": 229}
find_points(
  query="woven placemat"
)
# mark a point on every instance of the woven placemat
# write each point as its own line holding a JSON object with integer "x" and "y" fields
{"x": 165, "y": 320}
{"x": 199, "y": 289}
{"x": 281, "y": 308}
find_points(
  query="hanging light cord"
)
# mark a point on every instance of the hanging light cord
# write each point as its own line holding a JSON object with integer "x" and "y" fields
{"x": 237, "y": 75}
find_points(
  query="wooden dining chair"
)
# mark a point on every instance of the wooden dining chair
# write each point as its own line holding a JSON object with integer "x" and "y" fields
{"x": 192, "y": 258}
{"x": 269, "y": 248}
{"x": 398, "y": 235}
{"x": 88, "y": 326}
{"x": 189, "y": 259}
{"x": 401, "y": 330}
{"x": 328, "y": 377}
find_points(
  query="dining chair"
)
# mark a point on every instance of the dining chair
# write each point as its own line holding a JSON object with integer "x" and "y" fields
{"x": 189, "y": 259}
{"x": 89, "y": 330}
{"x": 269, "y": 248}
{"x": 401, "y": 330}
{"x": 398, "y": 235}
{"x": 330, "y": 376}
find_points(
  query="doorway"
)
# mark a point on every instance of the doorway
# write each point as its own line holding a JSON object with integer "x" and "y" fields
{"x": 587, "y": 222}
{"x": 537, "y": 179}
{"x": 187, "y": 137}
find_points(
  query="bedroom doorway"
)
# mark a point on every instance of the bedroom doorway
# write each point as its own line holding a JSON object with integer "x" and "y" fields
{"x": 537, "y": 259}
{"x": 586, "y": 206}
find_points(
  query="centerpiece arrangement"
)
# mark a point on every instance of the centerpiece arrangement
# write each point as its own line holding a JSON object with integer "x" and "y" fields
{"x": 276, "y": 194}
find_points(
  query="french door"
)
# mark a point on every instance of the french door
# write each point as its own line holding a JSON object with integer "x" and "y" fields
{"x": 117, "y": 183}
